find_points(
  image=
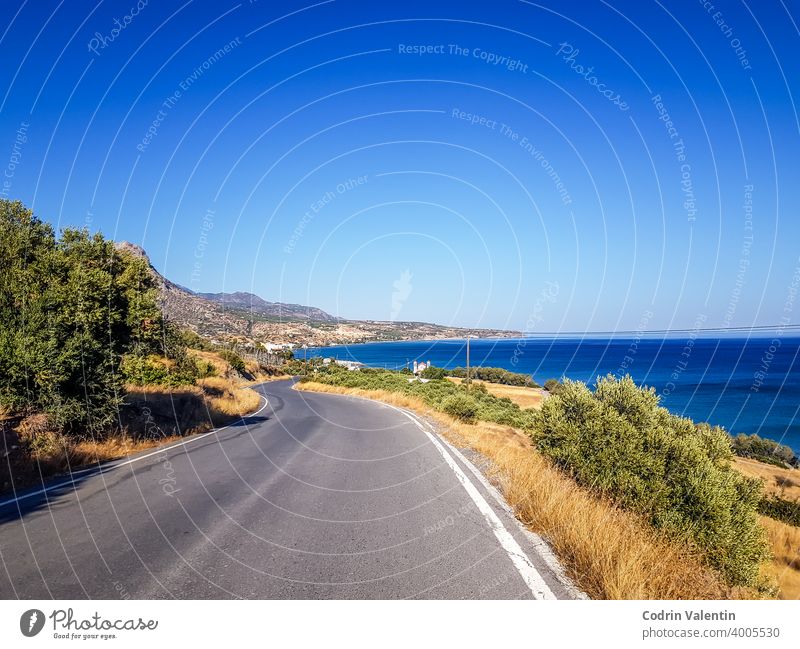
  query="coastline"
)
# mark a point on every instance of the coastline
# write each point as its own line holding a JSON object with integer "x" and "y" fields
{"x": 715, "y": 383}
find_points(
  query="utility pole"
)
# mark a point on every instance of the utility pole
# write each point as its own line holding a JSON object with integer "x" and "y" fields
{"x": 305, "y": 357}
{"x": 468, "y": 374}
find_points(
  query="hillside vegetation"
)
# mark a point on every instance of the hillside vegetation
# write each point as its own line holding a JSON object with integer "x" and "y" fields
{"x": 91, "y": 369}
{"x": 617, "y": 441}
{"x": 496, "y": 375}
{"x": 70, "y": 308}
{"x": 764, "y": 450}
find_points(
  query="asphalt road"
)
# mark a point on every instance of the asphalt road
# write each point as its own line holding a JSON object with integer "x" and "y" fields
{"x": 315, "y": 496}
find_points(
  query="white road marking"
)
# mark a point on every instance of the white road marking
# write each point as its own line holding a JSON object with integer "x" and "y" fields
{"x": 522, "y": 563}
{"x": 113, "y": 465}
{"x": 543, "y": 550}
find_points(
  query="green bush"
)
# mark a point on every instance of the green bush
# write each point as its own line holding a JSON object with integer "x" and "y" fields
{"x": 70, "y": 307}
{"x": 434, "y": 393}
{"x": 764, "y": 450}
{"x": 787, "y": 511}
{"x": 618, "y": 442}
{"x": 144, "y": 370}
{"x": 205, "y": 369}
{"x": 154, "y": 370}
{"x": 461, "y": 407}
{"x": 193, "y": 340}
{"x": 233, "y": 359}
{"x": 432, "y": 372}
{"x": 496, "y": 375}
{"x": 299, "y": 366}
{"x": 552, "y": 386}
{"x": 479, "y": 388}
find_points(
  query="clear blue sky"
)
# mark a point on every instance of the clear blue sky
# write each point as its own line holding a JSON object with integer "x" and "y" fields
{"x": 573, "y": 217}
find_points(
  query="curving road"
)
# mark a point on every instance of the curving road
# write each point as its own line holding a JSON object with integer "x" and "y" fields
{"x": 314, "y": 496}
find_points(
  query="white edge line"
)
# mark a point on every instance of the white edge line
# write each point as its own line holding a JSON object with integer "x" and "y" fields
{"x": 541, "y": 546}
{"x": 105, "y": 468}
{"x": 521, "y": 561}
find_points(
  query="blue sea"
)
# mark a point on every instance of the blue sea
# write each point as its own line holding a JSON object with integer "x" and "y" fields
{"x": 746, "y": 385}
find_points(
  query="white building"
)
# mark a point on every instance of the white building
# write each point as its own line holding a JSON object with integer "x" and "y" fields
{"x": 350, "y": 365}
{"x": 421, "y": 366}
{"x": 277, "y": 347}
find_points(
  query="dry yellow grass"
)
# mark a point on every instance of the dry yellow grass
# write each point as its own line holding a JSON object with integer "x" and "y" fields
{"x": 223, "y": 369}
{"x": 221, "y": 366}
{"x": 226, "y": 398}
{"x": 112, "y": 448}
{"x": 53, "y": 452}
{"x": 609, "y": 553}
{"x": 523, "y": 397}
{"x": 214, "y": 401}
{"x": 785, "y": 567}
{"x": 777, "y": 481}
{"x": 221, "y": 398}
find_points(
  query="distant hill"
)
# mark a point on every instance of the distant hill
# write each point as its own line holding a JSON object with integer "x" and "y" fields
{"x": 242, "y": 317}
{"x": 243, "y": 301}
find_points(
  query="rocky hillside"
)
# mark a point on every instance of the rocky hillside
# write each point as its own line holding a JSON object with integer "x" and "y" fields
{"x": 246, "y": 318}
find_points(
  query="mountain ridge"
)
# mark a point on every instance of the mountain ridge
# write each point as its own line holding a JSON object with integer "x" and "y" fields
{"x": 241, "y": 317}
{"x": 250, "y": 301}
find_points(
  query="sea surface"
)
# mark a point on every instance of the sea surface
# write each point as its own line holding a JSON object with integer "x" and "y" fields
{"x": 746, "y": 385}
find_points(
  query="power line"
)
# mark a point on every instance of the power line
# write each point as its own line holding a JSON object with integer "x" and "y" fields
{"x": 641, "y": 332}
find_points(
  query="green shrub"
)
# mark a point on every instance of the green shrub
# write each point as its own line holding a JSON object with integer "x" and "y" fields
{"x": 496, "y": 375}
{"x": 618, "y": 442}
{"x": 143, "y": 370}
{"x": 433, "y": 393}
{"x": 432, "y": 372}
{"x": 478, "y": 388}
{"x": 154, "y": 370}
{"x": 72, "y": 307}
{"x": 193, "y": 340}
{"x": 764, "y": 450}
{"x": 46, "y": 443}
{"x": 205, "y": 368}
{"x": 233, "y": 359}
{"x": 461, "y": 407}
{"x": 299, "y": 366}
{"x": 552, "y": 386}
{"x": 787, "y": 511}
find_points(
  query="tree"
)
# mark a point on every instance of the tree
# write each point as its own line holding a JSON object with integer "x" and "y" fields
{"x": 432, "y": 372}
{"x": 69, "y": 309}
{"x": 552, "y": 386}
{"x": 26, "y": 252}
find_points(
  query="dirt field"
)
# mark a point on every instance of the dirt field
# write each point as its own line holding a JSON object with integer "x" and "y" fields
{"x": 777, "y": 481}
{"x": 523, "y": 397}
